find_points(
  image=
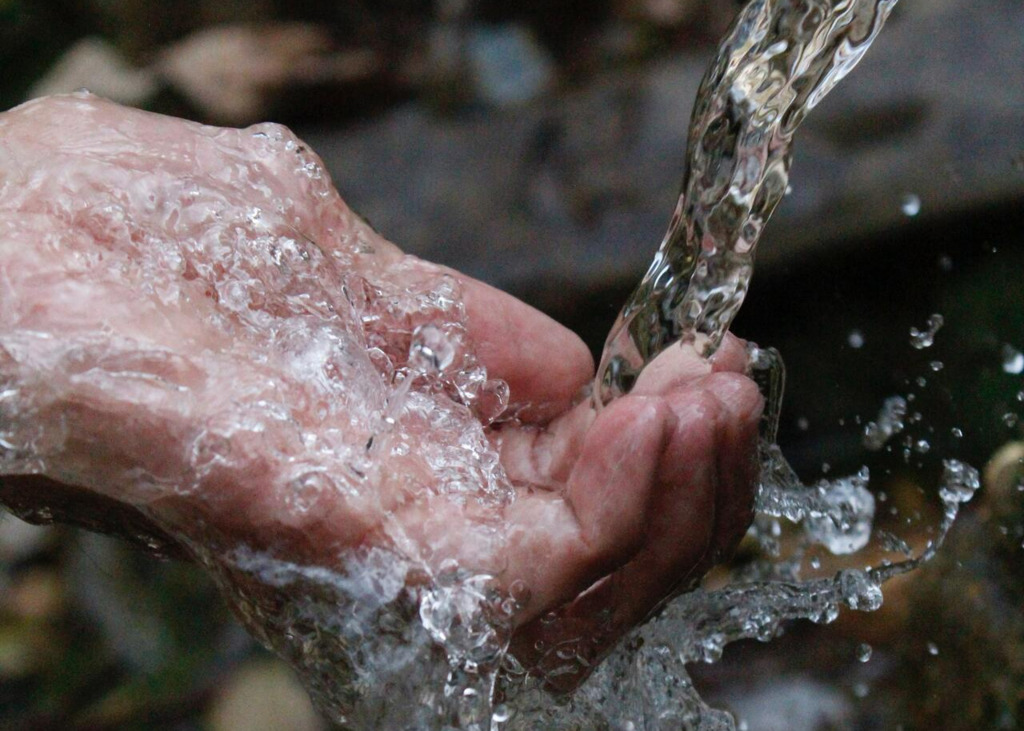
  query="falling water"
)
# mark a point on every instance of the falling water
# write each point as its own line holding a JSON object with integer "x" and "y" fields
{"x": 778, "y": 61}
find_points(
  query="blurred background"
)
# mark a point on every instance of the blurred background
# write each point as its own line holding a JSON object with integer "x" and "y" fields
{"x": 538, "y": 144}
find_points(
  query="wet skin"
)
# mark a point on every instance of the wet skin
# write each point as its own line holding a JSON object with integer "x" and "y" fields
{"x": 613, "y": 512}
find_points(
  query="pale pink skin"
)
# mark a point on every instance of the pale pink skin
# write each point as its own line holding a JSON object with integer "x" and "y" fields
{"x": 614, "y": 511}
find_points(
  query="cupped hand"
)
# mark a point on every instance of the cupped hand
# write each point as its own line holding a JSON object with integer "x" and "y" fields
{"x": 194, "y": 324}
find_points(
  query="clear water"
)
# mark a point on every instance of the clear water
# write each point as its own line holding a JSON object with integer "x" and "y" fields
{"x": 387, "y": 638}
{"x": 778, "y": 61}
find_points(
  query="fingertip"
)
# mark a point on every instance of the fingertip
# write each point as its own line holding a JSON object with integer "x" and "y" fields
{"x": 673, "y": 368}
{"x": 731, "y": 355}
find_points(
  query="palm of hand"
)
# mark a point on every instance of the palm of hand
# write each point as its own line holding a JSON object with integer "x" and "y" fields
{"x": 194, "y": 323}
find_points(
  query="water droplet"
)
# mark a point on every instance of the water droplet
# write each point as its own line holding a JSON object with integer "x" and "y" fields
{"x": 431, "y": 351}
{"x": 803, "y": 424}
{"x": 910, "y": 205}
{"x": 815, "y": 563}
{"x": 921, "y": 446}
{"x": 1013, "y": 360}
{"x": 921, "y": 339}
{"x": 959, "y": 482}
{"x": 864, "y": 652}
{"x": 860, "y": 690}
{"x": 957, "y": 432}
{"x": 933, "y": 649}
{"x": 855, "y": 339}
{"x": 859, "y": 590}
{"x": 888, "y": 423}
{"x": 1010, "y": 419}
{"x": 936, "y": 365}
{"x": 946, "y": 263}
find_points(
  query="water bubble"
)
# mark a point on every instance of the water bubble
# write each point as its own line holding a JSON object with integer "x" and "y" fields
{"x": 921, "y": 339}
{"x": 855, "y": 339}
{"x": 959, "y": 482}
{"x": 1013, "y": 360}
{"x": 864, "y": 652}
{"x": 933, "y": 649}
{"x": 502, "y": 713}
{"x": 859, "y": 590}
{"x": 431, "y": 351}
{"x": 910, "y": 205}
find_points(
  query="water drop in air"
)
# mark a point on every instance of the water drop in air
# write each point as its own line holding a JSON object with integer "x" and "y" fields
{"x": 855, "y": 339}
{"x": 864, "y": 652}
{"x": 922, "y": 339}
{"x": 1013, "y": 360}
{"x": 933, "y": 649}
{"x": 910, "y": 205}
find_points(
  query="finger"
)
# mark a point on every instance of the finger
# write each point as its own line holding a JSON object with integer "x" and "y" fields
{"x": 731, "y": 355}
{"x": 544, "y": 363}
{"x": 544, "y": 456}
{"x": 737, "y": 439}
{"x": 566, "y": 645}
{"x": 700, "y": 507}
{"x": 678, "y": 365}
{"x": 673, "y": 368}
{"x": 560, "y": 544}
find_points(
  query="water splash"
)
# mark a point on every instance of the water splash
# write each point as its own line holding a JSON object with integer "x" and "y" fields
{"x": 921, "y": 339}
{"x": 385, "y": 639}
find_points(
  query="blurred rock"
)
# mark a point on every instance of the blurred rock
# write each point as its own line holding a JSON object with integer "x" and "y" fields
{"x": 1004, "y": 480}
{"x": 923, "y": 114}
{"x": 667, "y": 12}
{"x": 234, "y": 74}
{"x": 19, "y": 540}
{"x": 36, "y": 594}
{"x": 793, "y": 703}
{"x": 94, "y": 64}
{"x": 264, "y": 696}
{"x": 508, "y": 66}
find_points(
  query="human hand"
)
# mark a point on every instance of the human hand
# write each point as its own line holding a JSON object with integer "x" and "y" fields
{"x": 192, "y": 323}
